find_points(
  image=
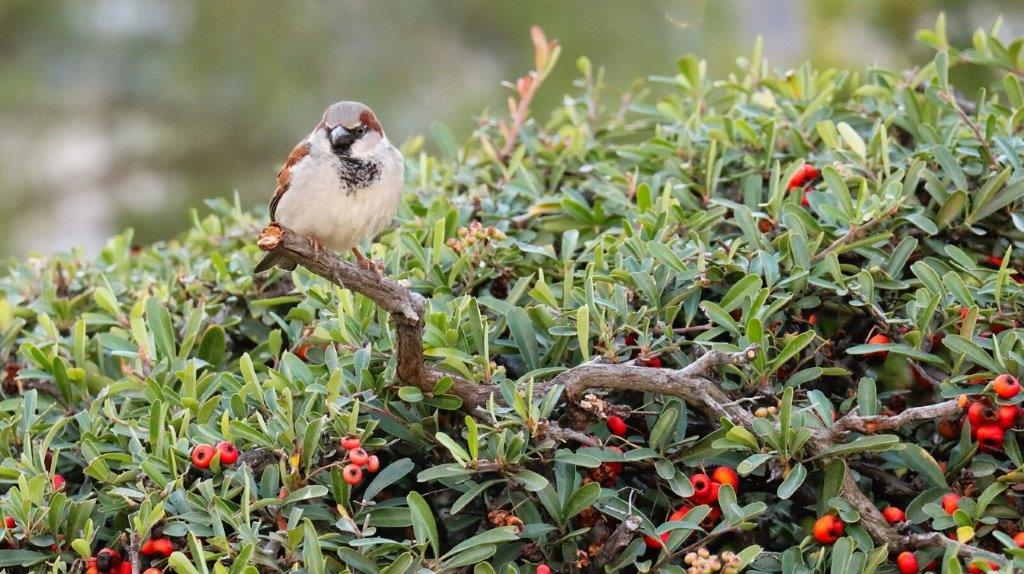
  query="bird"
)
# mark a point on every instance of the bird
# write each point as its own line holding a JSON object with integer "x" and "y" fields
{"x": 341, "y": 184}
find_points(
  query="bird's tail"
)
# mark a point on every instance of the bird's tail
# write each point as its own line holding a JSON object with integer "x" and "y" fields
{"x": 274, "y": 260}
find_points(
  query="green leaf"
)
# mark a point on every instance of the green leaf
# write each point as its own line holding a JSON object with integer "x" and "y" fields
{"x": 796, "y": 478}
{"x": 867, "y": 443}
{"x": 581, "y": 499}
{"x": 423, "y": 524}
{"x": 521, "y": 327}
{"x": 312, "y": 557}
{"x": 493, "y": 536}
{"x": 387, "y": 476}
{"x": 665, "y": 427}
{"x": 531, "y": 481}
{"x": 20, "y": 557}
{"x": 921, "y": 462}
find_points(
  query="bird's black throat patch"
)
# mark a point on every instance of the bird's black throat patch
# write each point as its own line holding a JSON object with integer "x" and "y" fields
{"x": 357, "y": 174}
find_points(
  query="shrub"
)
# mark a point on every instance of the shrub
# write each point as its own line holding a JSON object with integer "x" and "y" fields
{"x": 648, "y": 259}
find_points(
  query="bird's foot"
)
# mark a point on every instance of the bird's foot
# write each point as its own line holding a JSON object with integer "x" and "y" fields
{"x": 366, "y": 263}
{"x": 316, "y": 244}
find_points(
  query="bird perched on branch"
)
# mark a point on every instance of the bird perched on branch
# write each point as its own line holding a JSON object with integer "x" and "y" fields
{"x": 340, "y": 185}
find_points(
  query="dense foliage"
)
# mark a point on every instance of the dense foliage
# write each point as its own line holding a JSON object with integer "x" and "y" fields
{"x": 649, "y": 228}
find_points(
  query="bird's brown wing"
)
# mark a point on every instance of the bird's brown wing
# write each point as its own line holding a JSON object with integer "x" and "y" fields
{"x": 285, "y": 175}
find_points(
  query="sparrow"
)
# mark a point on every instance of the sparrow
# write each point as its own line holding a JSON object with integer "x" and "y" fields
{"x": 340, "y": 185}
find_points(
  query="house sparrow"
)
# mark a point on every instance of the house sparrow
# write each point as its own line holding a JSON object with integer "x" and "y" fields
{"x": 340, "y": 185}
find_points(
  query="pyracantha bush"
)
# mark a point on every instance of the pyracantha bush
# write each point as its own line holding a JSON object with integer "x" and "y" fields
{"x": 770, "y": 323}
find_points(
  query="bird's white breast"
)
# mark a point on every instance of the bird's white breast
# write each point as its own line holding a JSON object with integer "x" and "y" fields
{"x": 318, "y": 203}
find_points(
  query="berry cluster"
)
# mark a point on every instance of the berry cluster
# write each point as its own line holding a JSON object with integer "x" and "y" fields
{"x": 705, "y": 491}
{"x": 988, "y": 419}
{"x": 358, "y": 459}
{"x": 202, "y": 454}
{"x": 109, "y": 561}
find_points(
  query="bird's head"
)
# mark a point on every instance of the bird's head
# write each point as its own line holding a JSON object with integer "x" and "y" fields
{"x": 351, "y": 129}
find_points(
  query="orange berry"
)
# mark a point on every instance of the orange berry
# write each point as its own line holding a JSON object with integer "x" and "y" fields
{"x": 950, "y": 502}
{"x": 878, "y": 339}
{"x": 1006, "y": 386}
{"x": 358, "y": 456}
{"x": 202, "y": 455}
{"x": 894, "y": 515}
{"x": 57, "y": 481}
{"x": 726, "y": 475}
{"x": 352, "y": 474}
{"x": 372, "y": 463}
{"x": 828, "y": 529}
{"x": 1018, "y": 539}
{"x": 350, "y": 442}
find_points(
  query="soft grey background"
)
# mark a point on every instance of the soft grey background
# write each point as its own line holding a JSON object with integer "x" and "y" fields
{"x": 119, "y": 113}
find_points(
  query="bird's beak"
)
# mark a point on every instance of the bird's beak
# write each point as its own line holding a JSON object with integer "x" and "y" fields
{"x": 341, "y": 137}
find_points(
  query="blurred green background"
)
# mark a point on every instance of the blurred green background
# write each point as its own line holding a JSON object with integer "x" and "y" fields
{"x": 119, "y": 113}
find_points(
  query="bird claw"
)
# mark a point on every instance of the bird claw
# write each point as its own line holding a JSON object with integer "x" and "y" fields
{"x": 316, "y": 245}
{"x": 369, "y": 264}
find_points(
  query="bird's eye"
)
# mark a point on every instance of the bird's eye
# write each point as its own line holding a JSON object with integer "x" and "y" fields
{"x": 358, "y": 131}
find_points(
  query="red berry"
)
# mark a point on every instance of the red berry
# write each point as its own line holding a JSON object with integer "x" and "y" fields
{"x": 828, "y": 529}
{"x": 543, "y": 569}
{"x": 894, "y": 515}
{"x": 980, "y": 414}
{"x": 302, "y": 352}
{"x": 803, "y": 175}
{"x": 107, "y": 559}
{"x": 9, "y": 522}
{"x": 655, "y": 543}
{"x": 124, "y": 568}
{"x": 704, "y": 490}
{"x": 152, "y": 571}
{"x": 148, "y": 548}
{"x": 372, "y": 463}
{"x": 907, "y": 563}
{"x": 659, "y": 542}
{"x": 228, "y": 452}
{"x": 358, "y": 456}
{"x": 350, "y": 442}
{"x": 57, "y": 481}
{"x": 1007, "y": 416}
{"x": 950, "y": 502}
{"x": 1006, "y": 386}
{"x": 1018, "y": 539}
{"x": 726, "y": 475}
{"x": 164, "y": 547}
{"x": 990, "y": 438}
{"x": 878, "y": 339}
{"x": 202, "y": 455}
{"x": 616, "y": 426}
{"x": 652, "y": 362}
{"x": 352, "y": 474}
{"x": 994, "y": 261}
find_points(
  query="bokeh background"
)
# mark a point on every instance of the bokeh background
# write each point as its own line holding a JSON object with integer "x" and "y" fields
{"x": 118, "y": 113}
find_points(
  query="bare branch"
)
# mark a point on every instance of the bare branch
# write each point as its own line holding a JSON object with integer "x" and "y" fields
{"x": 619, "y": 538}
{"x": 876, "y": 423}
